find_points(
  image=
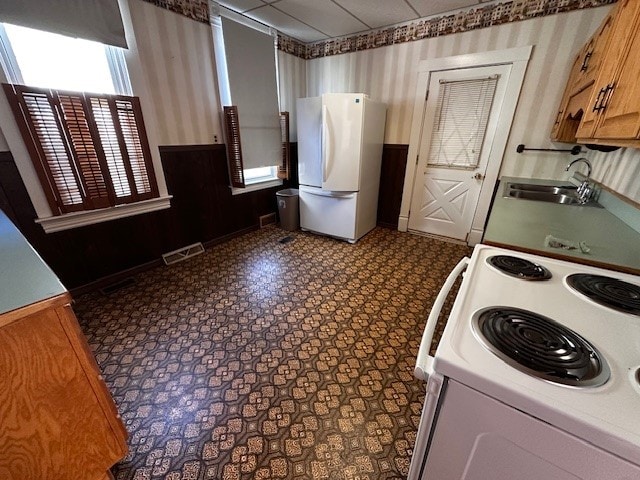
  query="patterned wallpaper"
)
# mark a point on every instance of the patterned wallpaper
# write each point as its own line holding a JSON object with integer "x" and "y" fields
{"x": 184, "y": 62}
{"x": 195, "y": 9}
{"x": 389, "y": 74}
{"x": 177, "y": 59}
{"x": 472, "y": 19}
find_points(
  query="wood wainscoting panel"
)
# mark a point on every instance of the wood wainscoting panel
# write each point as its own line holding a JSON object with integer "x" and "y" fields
{"x": 394, "y": 164}
{"x": 202, "y": 210}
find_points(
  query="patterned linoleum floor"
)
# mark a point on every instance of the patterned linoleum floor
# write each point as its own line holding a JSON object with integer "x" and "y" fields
{"x": 259, "y": 359}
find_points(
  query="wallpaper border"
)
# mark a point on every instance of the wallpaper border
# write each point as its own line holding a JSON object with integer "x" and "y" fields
{"x": 463, "y": 21}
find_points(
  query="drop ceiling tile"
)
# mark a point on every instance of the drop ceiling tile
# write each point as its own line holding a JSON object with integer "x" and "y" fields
{"x": 241, "y": 5}
{"x": 379, "y": 13}
{"x": 285, "y": 24}
{"x": 427, "y": 8}
{"x": 323, "y": 15}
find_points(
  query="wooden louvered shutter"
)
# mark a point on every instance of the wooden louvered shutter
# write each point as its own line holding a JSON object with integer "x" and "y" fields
{"x": 90, "y": 151}
{"x": 285, "y": 162}
{"x": 234, "y": 149}
{"x": 137, "y": 146}
{"x": 82, "y": 140}
{"x": 39, "y": 122}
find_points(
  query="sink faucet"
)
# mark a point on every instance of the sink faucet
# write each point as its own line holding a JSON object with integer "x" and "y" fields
{"x": 585, "y": 190}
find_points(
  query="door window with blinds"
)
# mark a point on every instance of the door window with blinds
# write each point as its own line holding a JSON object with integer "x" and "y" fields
{"x": 462, "y": 114}
{"x": 90, "y": 150}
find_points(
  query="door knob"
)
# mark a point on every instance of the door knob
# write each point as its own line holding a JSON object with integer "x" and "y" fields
{"x": 478, "y": 176}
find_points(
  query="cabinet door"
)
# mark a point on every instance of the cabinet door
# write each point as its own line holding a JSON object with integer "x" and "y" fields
{"x": 584, "y": 71}
{"x": 55, "y": 424}
{"x": 620, "y": 117}
{"x": 595, "y": 52}
{"x": 562, "y": 130}
{"x": 616, "y": 53}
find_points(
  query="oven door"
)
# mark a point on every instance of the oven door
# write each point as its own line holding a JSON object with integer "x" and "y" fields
{"x": 435, "y": 382}
{"x": 476, "y": 437}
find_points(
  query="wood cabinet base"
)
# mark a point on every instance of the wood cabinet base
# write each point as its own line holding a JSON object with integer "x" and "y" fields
{"x": 57, "y": 418}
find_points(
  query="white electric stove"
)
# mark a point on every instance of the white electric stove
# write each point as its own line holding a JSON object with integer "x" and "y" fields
{"x": 532, "y": 379}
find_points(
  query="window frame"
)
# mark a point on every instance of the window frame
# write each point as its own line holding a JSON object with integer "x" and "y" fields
{"x": 114, "y": 56}
{"x": 65, "y": 132}
{"x": 129, "y": 60}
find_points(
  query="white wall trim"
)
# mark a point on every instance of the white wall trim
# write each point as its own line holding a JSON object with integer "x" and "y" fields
{"x": 89, "y": 217}
{"x": 518, "y": 58}
{"x": 252, "y": 187}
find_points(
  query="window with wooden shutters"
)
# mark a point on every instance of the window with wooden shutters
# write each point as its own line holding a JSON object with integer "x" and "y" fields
{"x": 90, "y": 151}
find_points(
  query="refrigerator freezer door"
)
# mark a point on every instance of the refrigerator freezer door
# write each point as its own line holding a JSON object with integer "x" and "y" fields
{"x": 342, "y": 120}
{"x": 309, "y": 123}
{"x": 329, "y": 213}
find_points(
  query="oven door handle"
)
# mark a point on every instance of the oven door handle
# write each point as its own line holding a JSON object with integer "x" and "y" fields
{"x": 424, "y": 362}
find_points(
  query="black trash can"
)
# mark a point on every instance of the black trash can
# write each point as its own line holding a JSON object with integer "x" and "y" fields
{"x": 288, "y": 209}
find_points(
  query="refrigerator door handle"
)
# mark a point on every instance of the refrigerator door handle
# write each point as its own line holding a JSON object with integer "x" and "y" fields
{"x": 326, "y": 142}
{"x": 326, "y": 193}
{"x": 323, "y": 141}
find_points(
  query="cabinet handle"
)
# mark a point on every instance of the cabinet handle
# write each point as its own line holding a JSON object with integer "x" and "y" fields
{"x": 585, "y": 62}
{"x": 608, "y": 91}
{"x": 558, "y": 117}
{"x": 597, "y": 105}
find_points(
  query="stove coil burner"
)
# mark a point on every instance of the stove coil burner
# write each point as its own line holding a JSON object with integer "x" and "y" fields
{"x": 519, "y": 267}
{"x": 607, "y": 291}
{"x": 541, "y": 347}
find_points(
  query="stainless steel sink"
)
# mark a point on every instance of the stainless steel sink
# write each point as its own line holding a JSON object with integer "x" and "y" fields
{"x": 563, "y": 194}
{"x": 565, "y": 189}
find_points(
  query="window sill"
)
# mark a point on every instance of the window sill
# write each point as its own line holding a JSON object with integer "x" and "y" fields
{"x": 252, "y": 187}
{"x": 80, "y": 219}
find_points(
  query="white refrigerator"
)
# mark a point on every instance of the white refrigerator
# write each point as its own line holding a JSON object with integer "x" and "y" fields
{"x": 340, "y": 137}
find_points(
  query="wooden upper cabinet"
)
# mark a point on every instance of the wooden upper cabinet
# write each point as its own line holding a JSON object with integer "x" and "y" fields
{"x": 582, "y": 78}
{"x": 566, "y": 122}
{"x": 593, "y": 54}
{"x": 613, "y": 113}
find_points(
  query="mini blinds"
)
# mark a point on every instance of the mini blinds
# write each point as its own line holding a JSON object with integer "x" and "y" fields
{"x": 251, "y": 69}
{"x": 90, "y": 151}
{"x": 462, "y": 114}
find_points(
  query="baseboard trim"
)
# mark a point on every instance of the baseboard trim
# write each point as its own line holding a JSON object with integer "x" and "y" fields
{"x": 403, "y": 223}
{"x": 475, "y": 237}
{"x": 114, "y": 278}
{"x": 130, "y": 272}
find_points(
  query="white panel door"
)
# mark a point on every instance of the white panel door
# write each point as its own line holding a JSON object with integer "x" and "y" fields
{"x": 342, "y": 116}
{"x": 309, "y": 123}
{"x": 445, "y": 197}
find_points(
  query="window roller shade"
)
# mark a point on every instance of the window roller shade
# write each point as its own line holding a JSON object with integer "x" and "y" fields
{"x": 251, "y": 67}
{"x": 97, "y": 20}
